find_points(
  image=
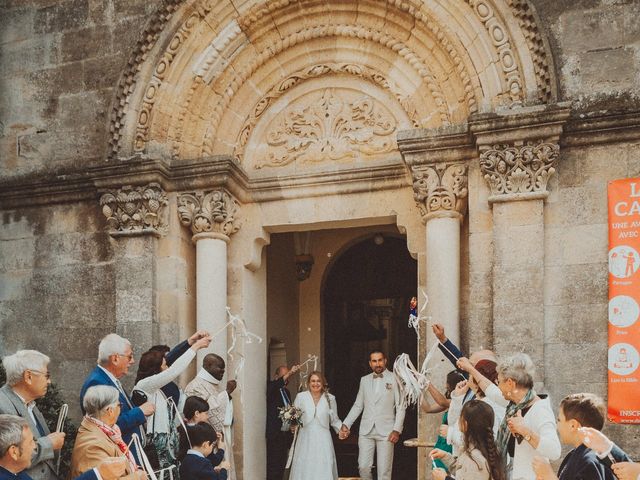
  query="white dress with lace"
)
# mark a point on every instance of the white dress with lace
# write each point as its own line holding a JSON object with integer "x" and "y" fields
{"x": 314, "y": 457}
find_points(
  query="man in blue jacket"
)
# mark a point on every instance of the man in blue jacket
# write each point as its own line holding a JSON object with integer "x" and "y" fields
{"x": 115, "y": 356}
{"x": 17, "y": 445}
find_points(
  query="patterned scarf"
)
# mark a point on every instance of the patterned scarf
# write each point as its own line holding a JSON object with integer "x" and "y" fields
{"x": 502, "y": 442}
{"x": 115, "y": 436}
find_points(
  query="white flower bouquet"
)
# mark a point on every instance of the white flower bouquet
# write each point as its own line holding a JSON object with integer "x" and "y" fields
{"x": 290, "y": 415}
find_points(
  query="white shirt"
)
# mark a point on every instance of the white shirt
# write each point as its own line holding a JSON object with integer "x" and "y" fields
{"x": 30, "y": 406}
{"x": 195, "y": 452}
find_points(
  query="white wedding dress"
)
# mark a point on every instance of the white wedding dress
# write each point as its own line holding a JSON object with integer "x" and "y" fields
{"x": 313, "y": 456}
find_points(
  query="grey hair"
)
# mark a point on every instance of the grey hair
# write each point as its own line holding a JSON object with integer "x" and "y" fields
{"x": 519, "y": 368}
{"x": 11, "y": 428}
{"x": 112, "y": 344}
{"x": 15, "y": 365}
{"x": 99, "y": 397}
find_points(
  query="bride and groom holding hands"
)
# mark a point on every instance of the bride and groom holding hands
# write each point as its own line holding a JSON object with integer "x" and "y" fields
{"x": 378, "y": 401}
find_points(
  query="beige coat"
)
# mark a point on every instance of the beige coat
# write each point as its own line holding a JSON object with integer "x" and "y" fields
{"x": 469, "y": 466}
{"x": 91, "y": 448}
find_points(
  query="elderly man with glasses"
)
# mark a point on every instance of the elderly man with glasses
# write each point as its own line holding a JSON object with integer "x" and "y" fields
{"x": 115, "y": 356}
{"x": 27, "y": 380}
{"x": 17, "y": 447}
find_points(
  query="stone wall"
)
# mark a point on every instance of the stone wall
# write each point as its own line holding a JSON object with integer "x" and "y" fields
{"x": 576, "y": 274}
{"x": 60, "y": 62}
{"x": 57, "y": 284}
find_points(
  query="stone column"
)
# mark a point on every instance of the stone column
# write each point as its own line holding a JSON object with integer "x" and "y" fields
{"x": 441, "y": 192}
{"x": 518, "y": 155}
{"x": 136, "y": 218}
{"x": 210, "y": 216}
{"x": 438, "y": 163}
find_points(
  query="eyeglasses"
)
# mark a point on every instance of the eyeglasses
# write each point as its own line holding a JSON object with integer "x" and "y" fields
{"x": 47, "y": 375}
{"x": 130, "y": 356}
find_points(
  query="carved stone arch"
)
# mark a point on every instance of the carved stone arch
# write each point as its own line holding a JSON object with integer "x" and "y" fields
{"x": 444, "y": 31}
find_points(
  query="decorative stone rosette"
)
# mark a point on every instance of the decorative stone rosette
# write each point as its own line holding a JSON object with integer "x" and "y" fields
{"x": 208, "y": 212}
{"x": 440, "y": 189}
{"x": 523, "y": 169}
{"x": 135, "y": 210}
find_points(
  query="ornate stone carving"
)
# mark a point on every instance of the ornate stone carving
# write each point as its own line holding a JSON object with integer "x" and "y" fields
{"x": 440, "y": 189}
{"x": 315, "y": 71}
{"x": 519, "y": 169}
{"x": 346, "y": 30}
{"x": 529, "y": 27}
{"x": 135, "y": 210}
{"x": 513, "y": 90}
{"x": 208, "y": 212}
{"x": 330, "y": 129}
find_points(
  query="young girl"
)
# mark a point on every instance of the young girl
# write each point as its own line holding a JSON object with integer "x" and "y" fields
{"x": 479, "y": 459}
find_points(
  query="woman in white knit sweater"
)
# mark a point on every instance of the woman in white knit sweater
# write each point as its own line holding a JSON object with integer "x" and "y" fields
{"x": 529, "y": 426}
{"x": 153, "y": 374}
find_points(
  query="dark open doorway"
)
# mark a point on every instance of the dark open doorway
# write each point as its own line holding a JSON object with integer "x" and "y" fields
{"x": 365, "y": 301}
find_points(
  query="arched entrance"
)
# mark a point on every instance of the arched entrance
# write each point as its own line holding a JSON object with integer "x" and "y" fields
{"x": 364, "y": 298}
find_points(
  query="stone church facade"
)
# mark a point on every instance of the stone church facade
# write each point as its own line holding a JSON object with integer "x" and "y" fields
{"x": 164, "y": 160}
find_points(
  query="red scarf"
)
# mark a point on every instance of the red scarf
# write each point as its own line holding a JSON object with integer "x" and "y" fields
{"x": 115, "y": 436}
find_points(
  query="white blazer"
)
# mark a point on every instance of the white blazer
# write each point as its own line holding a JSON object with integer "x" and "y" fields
{"x": 379, "y": 409}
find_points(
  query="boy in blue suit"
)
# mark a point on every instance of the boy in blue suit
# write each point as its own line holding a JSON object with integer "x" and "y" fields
{"x": 578, "y": 412}
{"x": 196, "y": 465}
{"x": 115, "y": 356}
{"x": 18, "y": 445}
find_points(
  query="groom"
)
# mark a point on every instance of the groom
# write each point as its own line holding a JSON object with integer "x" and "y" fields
{"x": 382, "y": 419}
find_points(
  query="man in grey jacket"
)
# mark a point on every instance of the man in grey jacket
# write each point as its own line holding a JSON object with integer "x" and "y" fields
{"x": 378, "y": 401}
{"x": 27, "y": 380}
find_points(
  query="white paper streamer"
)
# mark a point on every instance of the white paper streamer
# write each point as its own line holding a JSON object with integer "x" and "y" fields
{"x": 410, "y": 382}
{"x": 238, "y": 331}
{"x": 414, "y": 320}
{"x": 305, "y": 369}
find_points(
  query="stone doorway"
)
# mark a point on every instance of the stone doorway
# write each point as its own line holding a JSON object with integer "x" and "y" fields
{"x": 365, "y": 299}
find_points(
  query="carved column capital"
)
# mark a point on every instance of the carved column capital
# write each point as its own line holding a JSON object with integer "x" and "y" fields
{"x": 519, "y": 150}
{"x": 134, "y": 211}
{"x": 440, "y": 189}
{"x": 209, "y": 212}
{"x": 519, "y": 170}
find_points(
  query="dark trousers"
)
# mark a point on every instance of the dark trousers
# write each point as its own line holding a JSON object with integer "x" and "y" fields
{"x": 278, "y": 444}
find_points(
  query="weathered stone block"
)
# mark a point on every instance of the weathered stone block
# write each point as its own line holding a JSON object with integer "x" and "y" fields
{"x": 85, "y": 43}
{"x": 16, "y": 25}
{"x": 577, "y": 245}
{"x": 578, "y": 323}
{"x": 515, "y": 287}
{"x": 103, "y": 72}
{"x": 576, "y": 284}
{"x": 61, "y": 16}
{"x": 587, "y": 361}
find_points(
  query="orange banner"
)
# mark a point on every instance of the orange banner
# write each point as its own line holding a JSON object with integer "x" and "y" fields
{"x": 624, "y": 301}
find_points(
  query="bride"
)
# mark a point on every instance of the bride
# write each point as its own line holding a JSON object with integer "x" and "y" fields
{"x": 313, "y": 456}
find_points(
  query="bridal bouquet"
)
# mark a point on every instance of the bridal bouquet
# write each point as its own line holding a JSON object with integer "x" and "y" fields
{"x": 290, "y": 415}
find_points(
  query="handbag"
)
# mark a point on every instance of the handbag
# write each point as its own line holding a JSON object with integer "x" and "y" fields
{"x": 138, "y": 397}
{"x": 150, "y": 449}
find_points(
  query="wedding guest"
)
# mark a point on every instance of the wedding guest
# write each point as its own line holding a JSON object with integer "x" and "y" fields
{"x": 99, "y": 437}
{"x": 153, "y": 374}
{"x": 576, "y": 411}
{"x": 196, "y": 411}
{"x": 195, "y": 465}
{"x": 441, "y": 404}
{"x": 528, "y": 428}
{"x": 28, "y": 379}
{"x": 115, "y": 356}
{"x": 18, "y": 444}
{"x": 479, "y": 458}
{"x": 278, "y": 440}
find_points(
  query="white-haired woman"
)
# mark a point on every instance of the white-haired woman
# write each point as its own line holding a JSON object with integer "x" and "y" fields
{"x": 529, "y": 426}
{"x": 99, "y": 437}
